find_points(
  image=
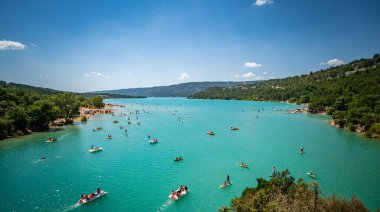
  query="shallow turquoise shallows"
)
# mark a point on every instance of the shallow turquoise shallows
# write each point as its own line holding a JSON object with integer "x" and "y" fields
{"x": 139, "y": 176}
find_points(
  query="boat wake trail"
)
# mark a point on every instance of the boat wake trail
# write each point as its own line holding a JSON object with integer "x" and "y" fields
{"x": 165, "y": 205}
{"x": 63, "y": 136}
{"x": 70, "y": 207}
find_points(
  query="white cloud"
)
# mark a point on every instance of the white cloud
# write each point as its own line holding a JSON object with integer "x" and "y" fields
{"x": 32, "y": 44}
{"x": 333, "y": 62}
{"x": 252, "y": 65}
{"x": 184, "y": 76}
{"x": 7, "y": 44}
{"x": 265, "y": 73}
{"x": 248, "y": 75}
{"x": 96, "y": 74}
{"x": 262, "y": 2}
{"x": 129, "y": 73}
{"x": 44, "y": 76}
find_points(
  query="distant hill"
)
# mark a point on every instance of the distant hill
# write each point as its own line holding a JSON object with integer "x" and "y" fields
{"x": 350, "y": 93}
{"x": 39, "y": 90}
{"x": 48, "y": 91}
{"x": 178, "y": 90}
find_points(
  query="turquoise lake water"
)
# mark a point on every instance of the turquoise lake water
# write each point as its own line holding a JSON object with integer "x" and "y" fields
{"x": 139, "y": 176}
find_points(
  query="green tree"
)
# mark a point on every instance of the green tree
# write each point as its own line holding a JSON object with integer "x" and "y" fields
{"x": 41, "y": 114}
{"x": 18, "y": 117}
{"x": 68, "y": 106}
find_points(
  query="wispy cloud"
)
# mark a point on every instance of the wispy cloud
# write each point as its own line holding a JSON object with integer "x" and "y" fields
{"x": 265, "y": 73}
{"x": 96, "y": 74}
{"x": 248, "y": 75}
{"x": 32, "y": 44}
{"x": 7, "y": 44}
{"x": 44, "y": 76}
{"x": 262, "y": 2}
{"x": 184, "y": 76}
{"x": 333, "y": 62}
{"x": 252, "y": 65}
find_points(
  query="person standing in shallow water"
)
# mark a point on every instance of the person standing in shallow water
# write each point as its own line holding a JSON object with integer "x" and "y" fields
{"x": 228, "y": 179}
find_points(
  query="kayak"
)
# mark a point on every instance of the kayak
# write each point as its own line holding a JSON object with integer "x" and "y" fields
{"x": 313, "y": 175}
{"x": 178, "y": 159}
{"x": 153, "y": 141}
{"x": 95, "y": 150}
{"x": 210, "y": 133}
{"x": 225, "y": 185}
{"x": 234, "y": 128}
{"x": 85, "y": 201}
{"x": 178, "y": 196}
{"x": 243, "y": 166}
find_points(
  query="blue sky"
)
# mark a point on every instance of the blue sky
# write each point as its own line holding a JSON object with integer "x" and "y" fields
{"x": 95, "y": 45}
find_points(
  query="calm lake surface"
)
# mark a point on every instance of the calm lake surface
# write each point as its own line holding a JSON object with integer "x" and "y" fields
{"x": 139, "y": 176}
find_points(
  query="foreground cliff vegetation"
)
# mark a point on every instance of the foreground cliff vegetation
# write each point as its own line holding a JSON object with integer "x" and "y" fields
{"x": 23, "y": 109}
{"x": 350, "y": 93}
{"x": 282, "y": 193}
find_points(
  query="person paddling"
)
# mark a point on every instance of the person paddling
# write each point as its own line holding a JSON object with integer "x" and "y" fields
{"x": 228, "y": 179}
{"x": 273, "y": 171}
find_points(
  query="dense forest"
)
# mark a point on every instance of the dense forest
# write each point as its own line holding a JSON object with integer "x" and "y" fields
{"x": 282, "y": 193}
{"x": 179, "y": 90}
{"x": 350, "y": 93}
{"x": 48, "y": 91}
{"x": 25, "y": 108}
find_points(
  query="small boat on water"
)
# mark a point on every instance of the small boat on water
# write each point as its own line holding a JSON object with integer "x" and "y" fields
{"x": 109, "y": 136}
{"x": 115, "y": 121}
{"x": 177, "y": 194}
{"x": 224, "y": 185}
{"x": 243, "y": 165}
{"x": 210, "y": 133}
{"x": 311, "y": 174}
{"x": 234, "y": 128}
{"x": 91, "y": 197}
{"x": 51, "y": 140}
{"x": 97, "y": 149}
{"x": 153, "y": 141}
{"x": 97, "y": 129}
{"x": 178, "y": 158}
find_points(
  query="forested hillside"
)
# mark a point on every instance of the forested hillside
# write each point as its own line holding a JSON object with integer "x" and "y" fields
{"x": 350, "y": 93}
{"x": 179, "y": 90}
{"x": 283, "y": 193}
{"x": 24, "y": 109}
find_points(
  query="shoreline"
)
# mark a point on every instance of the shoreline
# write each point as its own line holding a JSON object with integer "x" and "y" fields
{"x": 59, "y": 123}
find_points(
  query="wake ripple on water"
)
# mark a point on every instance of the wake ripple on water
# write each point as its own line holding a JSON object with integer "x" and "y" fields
{"x": 165, "y": 205}
{"x": 70, "y": 207}
{"x": 64, "y": 135}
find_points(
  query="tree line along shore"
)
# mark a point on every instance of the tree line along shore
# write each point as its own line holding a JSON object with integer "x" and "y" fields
{"x": 350, "y": 93}
{"x": 23, "y": 111}
{"x": 283, "y": 193}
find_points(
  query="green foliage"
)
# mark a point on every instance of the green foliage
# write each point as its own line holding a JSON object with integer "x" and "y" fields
{"x": 350, "y": 93}
{"x": 41, "y": 113}
{"x": 95, "y": 101}
{"x": 68, "y": 105}
{"x": 83, "y": 119}
{"x": 24, "y": 107}
{"x": 282, "y": 193}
